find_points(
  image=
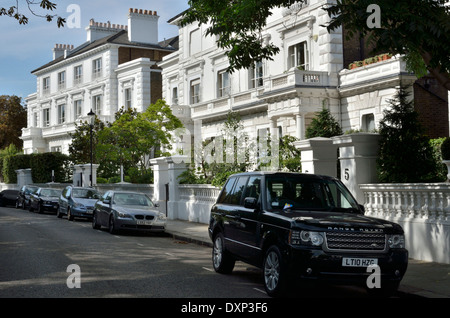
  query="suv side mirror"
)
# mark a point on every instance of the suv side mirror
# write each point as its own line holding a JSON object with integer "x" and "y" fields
{"x": 250, "y": 203}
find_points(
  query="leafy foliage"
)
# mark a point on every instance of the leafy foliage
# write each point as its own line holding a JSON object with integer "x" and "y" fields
{"x": 41, "y": 165}
{"x": 15, "y": 13}
{"x": 428, "y": 22}
{"x": 405, "y": 153}
{"x": 216, "y": 172}
{"x": 129, "y": 141}
{"x": 13, "y": 117}
{"x": 80, "y": 148}
{"x": 239, "y": 25}
{"x": 323, "y": 125}
{"x": 445, "y": 149}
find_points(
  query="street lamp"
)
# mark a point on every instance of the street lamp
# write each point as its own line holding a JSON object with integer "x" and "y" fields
{"x": 91, "y": 115}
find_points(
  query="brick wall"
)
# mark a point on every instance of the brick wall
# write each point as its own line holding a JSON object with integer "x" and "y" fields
{"x": 431, "y": 102}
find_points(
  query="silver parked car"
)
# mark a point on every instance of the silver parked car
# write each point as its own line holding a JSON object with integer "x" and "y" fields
{"x": 77, "y": 202}
{"x": 122, "y": 210}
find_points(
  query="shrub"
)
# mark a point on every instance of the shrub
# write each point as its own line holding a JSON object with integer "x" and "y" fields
{"x": 323, "y": 125}
{"x": 445, "y": 148}
{"x": 405, "y": 153}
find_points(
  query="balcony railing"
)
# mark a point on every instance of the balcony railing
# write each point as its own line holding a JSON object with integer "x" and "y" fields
{"x": 297, "y": 78}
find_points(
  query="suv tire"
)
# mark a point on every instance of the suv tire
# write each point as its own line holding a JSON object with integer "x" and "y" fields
{"x": 222, "y": 261}
{"x": 274, "y": 271}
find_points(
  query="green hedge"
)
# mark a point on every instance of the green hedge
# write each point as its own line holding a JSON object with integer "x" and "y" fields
{"x": 41, "y": 165}
{"x": 13, "y": 163}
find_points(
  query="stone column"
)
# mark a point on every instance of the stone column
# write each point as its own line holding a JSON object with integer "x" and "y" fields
{"x": 23, "y": 177}
{"x": 176, "y": 165}
{"x": 318, "y": 156}
{"x": 357, "y": 156}
{"x": 300, "y": 122}
{"x": 81, "y": 175}
{"x": 160, "y": 179}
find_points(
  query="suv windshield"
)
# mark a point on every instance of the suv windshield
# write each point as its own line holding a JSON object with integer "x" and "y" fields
{"x": 300, "y": 193}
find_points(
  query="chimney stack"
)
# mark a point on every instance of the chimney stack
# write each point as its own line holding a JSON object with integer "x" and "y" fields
{"x": 143, "y": 26}
{"x": 61, "y": 50}
{"x": 98, "y": 30}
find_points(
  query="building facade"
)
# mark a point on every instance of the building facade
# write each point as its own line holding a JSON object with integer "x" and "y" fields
{"x": 116, "y": 67}
{"x": 310, "y": 72}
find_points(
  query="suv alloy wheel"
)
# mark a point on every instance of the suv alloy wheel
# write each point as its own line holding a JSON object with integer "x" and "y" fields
{"x": 222, "y": 262}
{"x": 274, "y": 272}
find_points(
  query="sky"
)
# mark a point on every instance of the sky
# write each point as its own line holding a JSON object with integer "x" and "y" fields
{"x": 24, "y": 48}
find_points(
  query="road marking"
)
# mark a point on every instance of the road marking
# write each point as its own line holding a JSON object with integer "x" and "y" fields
{"x": 208, "y": 269}
{"x": 139, "y": 244}
{"x": 170, "y": 254}
{"x": 261, "y": 291}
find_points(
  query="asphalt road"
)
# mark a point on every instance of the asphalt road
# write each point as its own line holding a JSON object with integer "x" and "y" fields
{"x": 39, "y": 251}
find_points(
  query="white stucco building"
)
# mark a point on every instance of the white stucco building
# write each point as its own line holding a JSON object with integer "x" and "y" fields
{"x": 115, "y": 67}
{"x": 310, "y": 72}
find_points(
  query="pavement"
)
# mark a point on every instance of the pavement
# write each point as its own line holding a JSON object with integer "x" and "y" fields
{"x": 422, "y": 279}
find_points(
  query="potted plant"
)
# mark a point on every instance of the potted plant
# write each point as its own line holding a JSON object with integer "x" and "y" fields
{"x": 445, "y": 151}
{"x": 352, "y": 65}
{"x": 386, "y": 56}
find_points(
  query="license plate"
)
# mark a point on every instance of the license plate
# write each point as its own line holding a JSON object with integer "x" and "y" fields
{"x": 358, "y": 262}
{"x": 141, "y": 222}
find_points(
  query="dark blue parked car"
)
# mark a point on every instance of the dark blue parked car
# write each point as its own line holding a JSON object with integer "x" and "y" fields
{"x": 77, "y": 202}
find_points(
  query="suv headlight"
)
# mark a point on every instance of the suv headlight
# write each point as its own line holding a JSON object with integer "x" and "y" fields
{"x": 306, "y": 238}
{"x": 396, "y": 241}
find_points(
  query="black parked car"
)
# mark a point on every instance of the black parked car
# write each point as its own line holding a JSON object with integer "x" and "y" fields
{"x": 8, "y": 197}
{"x": 23, "y": 200}
{"x": 44, "y": 199}
{"x": 303, "y": 226}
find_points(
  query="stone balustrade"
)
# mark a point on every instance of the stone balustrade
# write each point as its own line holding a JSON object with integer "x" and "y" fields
{"x": 423, "y": 210}
{"x": 430, "y": 201}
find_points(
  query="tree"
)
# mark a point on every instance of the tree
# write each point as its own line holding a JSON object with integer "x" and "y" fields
{"x": 17, "y": 13}
{"x": 289, "y": 155}
{"x": 13, "y": 117}
{"x": 133, "y": 137}
{"x": 405, "y": 154}
{"x": 420, "y": 30}
{"x": 80, "y": 147}
{"x": 323, "y": 125}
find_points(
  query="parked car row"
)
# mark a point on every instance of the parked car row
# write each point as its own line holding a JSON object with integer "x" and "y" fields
{"x": 115, "y": 210}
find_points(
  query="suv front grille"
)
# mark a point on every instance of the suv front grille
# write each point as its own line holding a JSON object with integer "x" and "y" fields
{"x": 360, "y": 241}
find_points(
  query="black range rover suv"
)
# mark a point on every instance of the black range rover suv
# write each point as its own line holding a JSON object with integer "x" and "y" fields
{"x": 303, "y": 226}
